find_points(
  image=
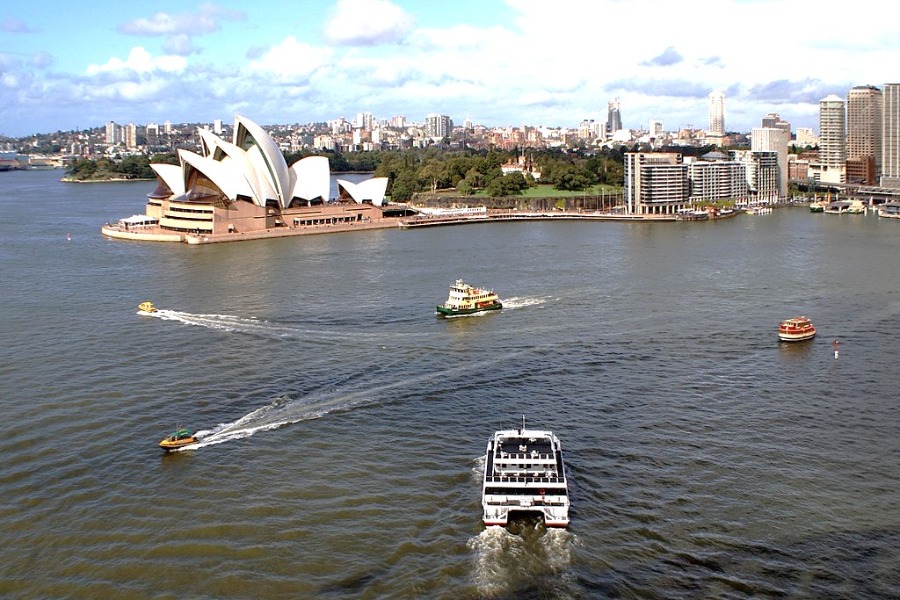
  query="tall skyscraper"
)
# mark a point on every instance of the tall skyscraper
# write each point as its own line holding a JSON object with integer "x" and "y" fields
{"x": 890, "y": 136}
{"x": 832, "y": 139}
{"x": 613, "y": 117}
{"x": 772, "y": 139}
{"x": 864, "y": 113}
{"x": 717, "y": 113}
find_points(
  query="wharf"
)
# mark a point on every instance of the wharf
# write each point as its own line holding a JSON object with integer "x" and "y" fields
{"x": 506, "y": 216}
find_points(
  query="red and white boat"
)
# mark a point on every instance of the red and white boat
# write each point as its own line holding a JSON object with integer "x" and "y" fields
{"x": 796, "y": 329}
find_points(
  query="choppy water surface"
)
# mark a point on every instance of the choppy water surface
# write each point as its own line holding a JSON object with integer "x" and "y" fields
{"x": 343, "y": 423}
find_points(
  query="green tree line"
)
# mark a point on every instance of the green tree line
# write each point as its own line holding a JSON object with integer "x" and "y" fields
{"x": 130, "y": 167}
{"x": 423, "y": 170}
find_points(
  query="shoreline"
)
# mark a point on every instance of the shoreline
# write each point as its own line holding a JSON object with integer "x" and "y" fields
{"x": 157, "y": 234}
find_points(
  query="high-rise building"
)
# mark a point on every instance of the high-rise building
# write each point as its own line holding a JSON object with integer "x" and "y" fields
{"x": 655, "y": 183}
{"x": 832, "y": 139}
{"x": 130, "y": 131}
{"x": 890, "y": 136}
{"x": 713, "y": 180}
{"x": 774, "y": 121}
{"x": 112, "y": 133}
{"x": 717, "y": 113}
{"x": 438, "y": 126}
{"x": 771, "y": 139}
{"x": 613, "y": 117}
{"x": 151, "y": 132}
{"x": 864, "y": 129}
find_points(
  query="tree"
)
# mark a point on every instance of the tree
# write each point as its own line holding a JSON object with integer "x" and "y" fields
{"x": 572, "y": 179}
{"x": 404, "y": 186}
{"x": 507, "y": 185}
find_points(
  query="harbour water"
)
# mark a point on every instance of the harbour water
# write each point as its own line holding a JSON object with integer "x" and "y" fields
{"x": 345, "y": 423}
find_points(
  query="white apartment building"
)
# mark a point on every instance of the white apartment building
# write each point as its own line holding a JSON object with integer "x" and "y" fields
{"x": 655, "y": 183}
{"x": 832, "y": 141}
{"x": 717, "y": 180}
{"x": 890, "y": 137}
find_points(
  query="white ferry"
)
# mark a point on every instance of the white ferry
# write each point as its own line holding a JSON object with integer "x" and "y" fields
{"x": 524, "y": 473}
{"x": 890, "y": 210}
{"x": 465, "y": 299}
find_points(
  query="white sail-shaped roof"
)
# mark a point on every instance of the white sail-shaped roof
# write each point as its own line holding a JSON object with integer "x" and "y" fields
{"x": 253, "y": 167}
{"x": 228, "y": 179}
{"x": 266, "y": 157}
{"x": 310, "y": 179}
{"x": 372, "y": 189}
{"x": 171, "y": 175}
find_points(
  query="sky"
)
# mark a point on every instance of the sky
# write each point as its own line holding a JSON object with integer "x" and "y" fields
{"x": 68, "y": 65}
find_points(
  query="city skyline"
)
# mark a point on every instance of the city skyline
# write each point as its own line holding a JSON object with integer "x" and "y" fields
{"x": 496, "y": 62}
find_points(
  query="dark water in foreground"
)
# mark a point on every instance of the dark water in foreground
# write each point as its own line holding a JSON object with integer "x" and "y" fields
{"x": 345, "y": 422}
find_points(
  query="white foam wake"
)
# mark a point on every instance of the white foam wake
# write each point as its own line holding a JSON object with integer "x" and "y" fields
{"x": 285, "y": 410}
{"x": 516, "y": 302}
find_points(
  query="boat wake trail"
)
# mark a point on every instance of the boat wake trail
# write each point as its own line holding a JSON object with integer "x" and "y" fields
{"x": 516, "y": 302}
{"x": 230, "y": 323}
{"x": 505, "y": 561}
{"x": 285, "y": 410}
{"x": 275, "y": 330}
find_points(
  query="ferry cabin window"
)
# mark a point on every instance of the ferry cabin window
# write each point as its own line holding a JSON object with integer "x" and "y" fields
{"x": 495, "y": 491}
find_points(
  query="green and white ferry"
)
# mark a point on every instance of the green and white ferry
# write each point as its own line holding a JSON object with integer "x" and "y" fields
{"x": 465, "y": 299}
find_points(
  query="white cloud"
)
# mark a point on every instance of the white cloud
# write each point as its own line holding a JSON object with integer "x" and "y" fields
{"x": 140, "y": 61}
{"x": 367, "y": 23}
{"x": 206, "y": 20}
{"x": 291, "y": 60}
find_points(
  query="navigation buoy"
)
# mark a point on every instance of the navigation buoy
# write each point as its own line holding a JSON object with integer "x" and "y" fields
{"x": 69, "y": 236}
{"x": 837, "y": 350}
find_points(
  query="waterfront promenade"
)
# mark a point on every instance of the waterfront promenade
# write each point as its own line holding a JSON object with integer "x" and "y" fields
{"x": 157, "y": 234}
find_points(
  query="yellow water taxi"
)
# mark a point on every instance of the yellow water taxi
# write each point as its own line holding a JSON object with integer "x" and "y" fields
{"x": 178, "y": 439}
{"x": 147, "y": 307}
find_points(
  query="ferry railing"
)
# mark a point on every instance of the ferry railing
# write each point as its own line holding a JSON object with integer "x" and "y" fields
{"x": 495, "y": 479}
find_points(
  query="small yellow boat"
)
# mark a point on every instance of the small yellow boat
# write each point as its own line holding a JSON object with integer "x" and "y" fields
{"x": 178, "y": 439}
{"x": 147, "y": 307}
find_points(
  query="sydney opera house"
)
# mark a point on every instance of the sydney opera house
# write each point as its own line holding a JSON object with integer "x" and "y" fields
{"x": 244, "y": 189}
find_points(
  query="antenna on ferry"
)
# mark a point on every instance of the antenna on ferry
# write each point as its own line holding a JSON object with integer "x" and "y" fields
{"x": 523, "y": 422}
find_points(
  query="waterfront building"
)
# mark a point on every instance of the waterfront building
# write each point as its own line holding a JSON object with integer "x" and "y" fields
{"x": 763, "y": 174}
{"x": 715, "y": 177}
{"x": 890, "y": 137}
{"x": 245, "y": 186}
{"x": 832, "y": 140}
{"x": 770, "y": 139}
{"x": 655, "y": 183}
{"x": 864, "y": 130}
